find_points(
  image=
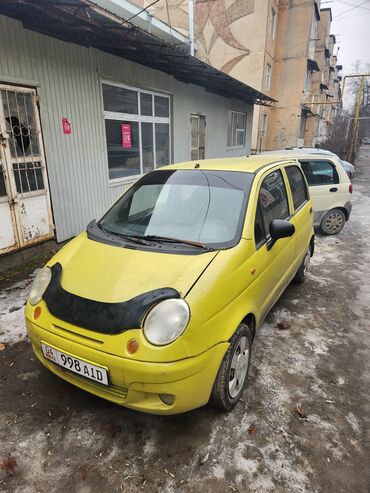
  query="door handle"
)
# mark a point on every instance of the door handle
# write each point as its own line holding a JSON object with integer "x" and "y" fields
{"x": 310, "y": 210}
{"x": 334, "y": 189}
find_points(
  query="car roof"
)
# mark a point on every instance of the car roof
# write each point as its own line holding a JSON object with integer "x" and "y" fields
{"x": 250, "y": 164}
{"x": 300, "y": 151}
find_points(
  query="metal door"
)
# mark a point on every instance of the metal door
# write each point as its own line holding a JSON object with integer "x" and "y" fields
{"x": 197, "y": 141}
{"x": 25, "y": 211}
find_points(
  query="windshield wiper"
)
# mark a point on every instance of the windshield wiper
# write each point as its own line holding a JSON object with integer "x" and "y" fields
{"x": 134, "y": 238}
{"x": 168, "y": 239}
{"x": 147, "y": 239}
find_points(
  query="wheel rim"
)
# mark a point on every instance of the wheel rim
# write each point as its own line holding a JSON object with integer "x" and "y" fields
{"x": 306, "y": 262}
{"x": 334, "y": 222}
{"x": 239, "y": 367}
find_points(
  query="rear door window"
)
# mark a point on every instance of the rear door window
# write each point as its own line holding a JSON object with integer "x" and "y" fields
{"x": 297, "y": 185}
{"x": 320, "y": 173}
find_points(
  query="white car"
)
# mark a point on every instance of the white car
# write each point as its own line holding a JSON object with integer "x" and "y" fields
{"x": 329, "y": 184}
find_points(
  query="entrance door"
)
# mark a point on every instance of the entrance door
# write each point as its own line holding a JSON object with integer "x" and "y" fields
{"x": 25, "y": 211}
{"x": 198, "y": 134}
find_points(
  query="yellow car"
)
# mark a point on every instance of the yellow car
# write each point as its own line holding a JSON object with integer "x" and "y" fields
{"x": 156, "y": 305}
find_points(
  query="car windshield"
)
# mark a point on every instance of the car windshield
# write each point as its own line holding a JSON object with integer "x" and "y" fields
{"x": 204, "y": 207}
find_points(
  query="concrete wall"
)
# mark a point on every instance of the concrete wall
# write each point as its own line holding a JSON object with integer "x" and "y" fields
{"x": 68, "y": 81}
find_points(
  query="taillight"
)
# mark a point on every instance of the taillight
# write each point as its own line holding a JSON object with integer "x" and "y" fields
{"x": 350, "y": 188}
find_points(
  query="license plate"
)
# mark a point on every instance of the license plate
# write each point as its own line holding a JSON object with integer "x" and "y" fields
{"x": 76, "y": 365}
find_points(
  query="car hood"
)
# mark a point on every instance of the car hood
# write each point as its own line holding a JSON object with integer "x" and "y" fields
{"x": 112, "y": 274}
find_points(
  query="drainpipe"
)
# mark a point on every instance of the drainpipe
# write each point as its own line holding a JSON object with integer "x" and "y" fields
{"x": 191, "y": 27}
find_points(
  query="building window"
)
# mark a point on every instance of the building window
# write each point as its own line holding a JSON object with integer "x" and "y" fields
{"x": 302, "y": 127}
{"x": 272, "y": 23}
{"x": 268, "y": 77}
{"x": 236, "y": 129}
{"x": 307, "y": 85}
{"x": 264, "y": 124}
{"x": 137, "y": 127}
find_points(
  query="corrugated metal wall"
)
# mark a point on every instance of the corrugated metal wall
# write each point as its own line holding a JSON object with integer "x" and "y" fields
{"x": 68, "y": 80}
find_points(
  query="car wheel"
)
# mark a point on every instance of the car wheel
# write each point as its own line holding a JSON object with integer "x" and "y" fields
{"x": 333, "y": 222}
{"x": 304, "y": 267}
{"x": 232, "y": 375}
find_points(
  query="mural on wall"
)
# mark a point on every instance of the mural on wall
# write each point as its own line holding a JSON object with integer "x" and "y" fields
{"x": 213, "y": 20}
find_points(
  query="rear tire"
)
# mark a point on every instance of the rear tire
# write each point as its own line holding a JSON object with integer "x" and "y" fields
{"x": 333, "y": 222}
{"x": 233, "y": 372}
{"x": 303, "y": 268}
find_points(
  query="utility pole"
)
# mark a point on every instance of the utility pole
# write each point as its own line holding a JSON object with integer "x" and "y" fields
{"x": 191, "y": 27}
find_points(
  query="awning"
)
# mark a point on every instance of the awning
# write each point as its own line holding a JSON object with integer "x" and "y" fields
{"x": 84, "y": 23}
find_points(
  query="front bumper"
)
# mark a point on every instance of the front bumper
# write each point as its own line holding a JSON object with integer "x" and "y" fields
{"x": 137, "y": 384}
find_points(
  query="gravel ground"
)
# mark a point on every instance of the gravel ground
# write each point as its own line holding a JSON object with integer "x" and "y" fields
{"x": 302, "y": 425}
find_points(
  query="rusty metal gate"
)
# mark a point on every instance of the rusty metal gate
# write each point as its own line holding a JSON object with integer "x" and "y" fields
{"x": 25, "y": 211}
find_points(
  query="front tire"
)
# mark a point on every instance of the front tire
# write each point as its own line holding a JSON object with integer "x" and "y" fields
{"x": 233, "y": 372}
{"x": 333, "y": 222}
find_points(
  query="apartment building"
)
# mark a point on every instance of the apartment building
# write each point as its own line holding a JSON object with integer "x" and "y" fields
{"x": 282, "y": 48}
{"x": 325, "y": 88}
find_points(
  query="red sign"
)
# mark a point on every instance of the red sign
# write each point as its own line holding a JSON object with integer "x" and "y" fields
{"x": 126, "y": 135}
{"x": 67, "y": 127}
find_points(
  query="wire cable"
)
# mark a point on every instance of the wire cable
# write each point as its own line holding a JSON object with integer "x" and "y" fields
{"x": 349, "y": 10}
{"x": 142, "y": 10}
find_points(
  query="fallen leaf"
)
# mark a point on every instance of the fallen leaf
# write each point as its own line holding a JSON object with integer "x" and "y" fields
{"x": 8, "y": 465}
{"x": 2, "y": 347}
{"x": 282, "y": 326}
{"x": 252, "y": 430}
{"x": 300, "y": 411}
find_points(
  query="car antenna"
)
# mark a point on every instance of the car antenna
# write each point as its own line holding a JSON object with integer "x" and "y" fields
{"x": 197, "y": 165}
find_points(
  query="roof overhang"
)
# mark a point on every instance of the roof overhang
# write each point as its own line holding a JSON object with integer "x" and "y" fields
{"x": 88, "y": 24}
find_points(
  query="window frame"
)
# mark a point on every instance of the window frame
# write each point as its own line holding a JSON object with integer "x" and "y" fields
{"x": 139, "y": 118}
{"x": 273, "y": 16}
{"x": 288, "y": 218}
{"x": 264, "y": 124}
{"x": 305, "y": 185}
{"x": 268, "y": 76}
{"x": 229, "y": 145}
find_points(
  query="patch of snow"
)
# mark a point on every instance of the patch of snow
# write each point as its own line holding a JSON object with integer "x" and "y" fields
{"x": 12, "y": 301}
{"x": 352, "y": 420}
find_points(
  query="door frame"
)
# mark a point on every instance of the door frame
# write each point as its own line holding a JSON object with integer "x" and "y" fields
{"x": 198, "y": 116}
{"x": 13, "y": 196}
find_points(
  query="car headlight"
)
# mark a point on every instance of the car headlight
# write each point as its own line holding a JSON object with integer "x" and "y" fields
{"x": 166, "y": 321}
{"x": 39, "y": 285}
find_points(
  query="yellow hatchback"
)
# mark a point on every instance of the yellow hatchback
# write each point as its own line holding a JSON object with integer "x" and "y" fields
{"x": 156, "y": 305}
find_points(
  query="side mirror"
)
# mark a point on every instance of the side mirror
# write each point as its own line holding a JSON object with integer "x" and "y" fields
{"x": 279, "y": 228}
